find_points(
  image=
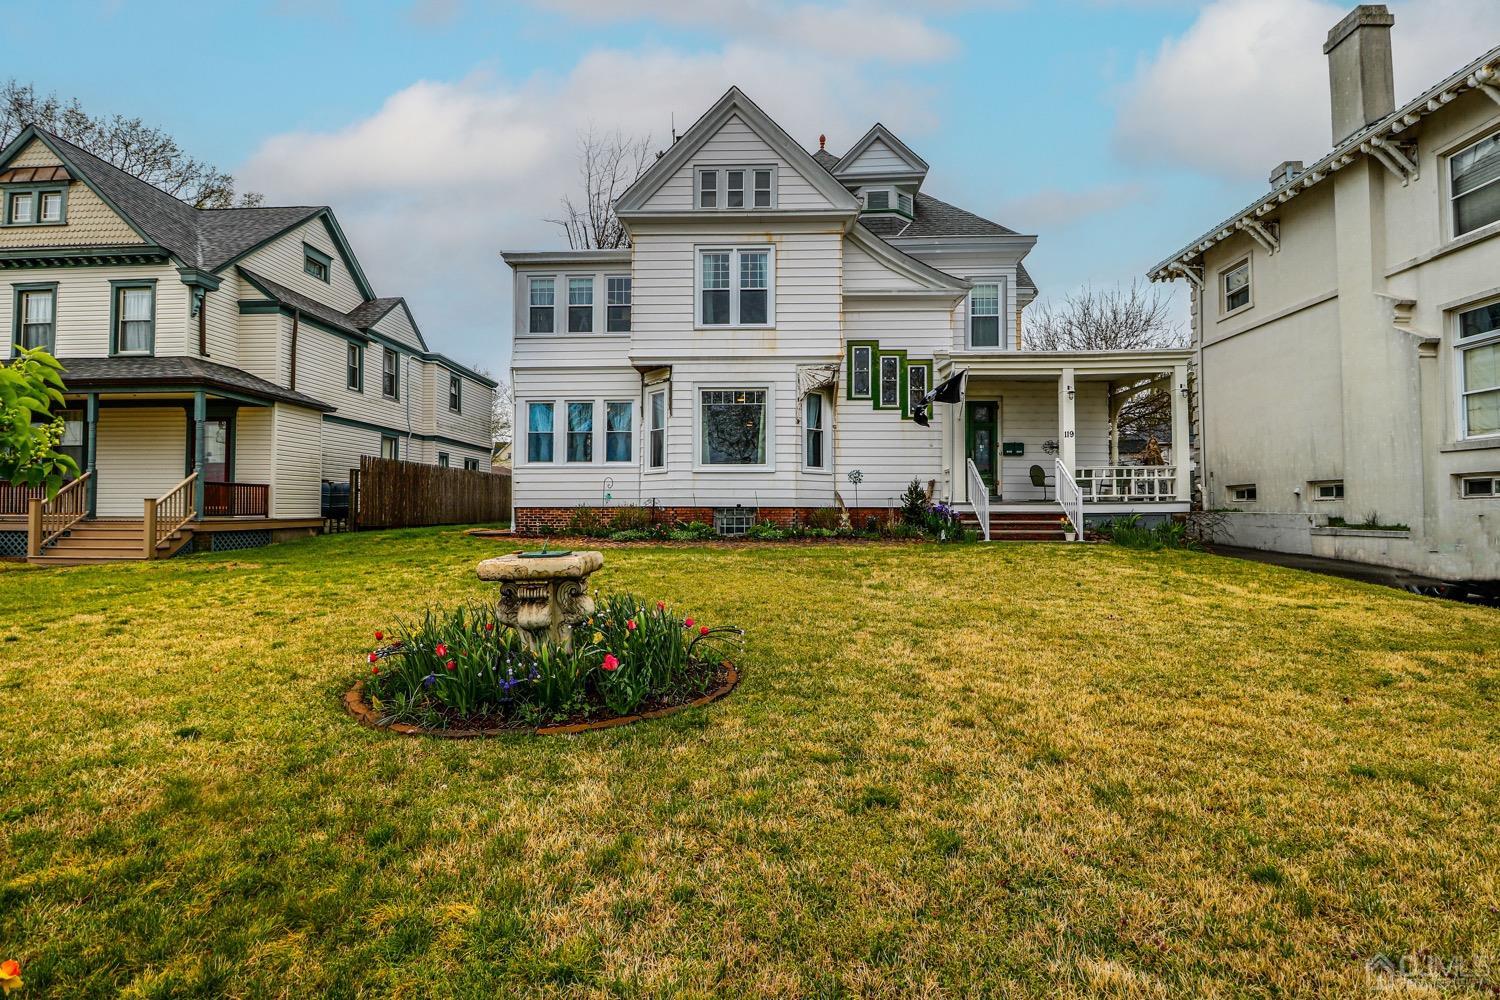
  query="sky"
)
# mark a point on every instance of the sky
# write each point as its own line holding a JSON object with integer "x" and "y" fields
{"x": 443, "y": 132}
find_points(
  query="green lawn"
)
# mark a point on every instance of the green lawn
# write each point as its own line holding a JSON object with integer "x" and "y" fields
{"x": 1009, "y": 770}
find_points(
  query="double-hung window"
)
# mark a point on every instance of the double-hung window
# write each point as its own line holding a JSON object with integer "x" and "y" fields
{"x": 22, "y": 209}
{"x": 1478, "y": 346}
{"x": 471, "y": 465}
{"x": 762, "y": 188}
{"x": 455, "y": 394}
{"x": 735, "y": 287}
{"x": 36, "y": 317}
{"x": 814, "y": 440}
{"x": 541, "y": 293}
{"x": 617, "y": 304}
{"x": 581, "y": 431}
{"x": 134, "y": 309}
{"x": 733, "y": 426}
{"x": 581, "y": 305}
{"x": 539, "y": 437}
{"x": 390, "y": 377}
{"x": 355, "y": 364}
{"x": 656, "y": 447}
{"x": 984, "y": 314}
{"x": 1474, "y": 185}
{"x": 890, "y": 381}
{"x": 618, "y": 432}
{"x": 1236, "y": 287}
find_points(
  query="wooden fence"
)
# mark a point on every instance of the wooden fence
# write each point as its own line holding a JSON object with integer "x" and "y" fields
{"x": 385, "y": 493}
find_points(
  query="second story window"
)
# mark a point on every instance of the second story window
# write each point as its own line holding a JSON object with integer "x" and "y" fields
{"x": 134, "y": 324}
{"x": 1236, "y": 286}
{"x": 355, "y": 365}
{"x": 1474, "y": 180}
{"x": 36, "y": 315}
{"x": 1479, "y": 369}
{"x": 859, "y": 371}
{"x": 390, "y": 379}
{"x": 316, "y": 263}
{"x": 617, "y": 303}
{"x": 734, "y": 288}
{"x": 455, "y": 394}
{"x": 984, "y": 315}
{"x": 541, "y": 292}
{"x": 581, "y": 305}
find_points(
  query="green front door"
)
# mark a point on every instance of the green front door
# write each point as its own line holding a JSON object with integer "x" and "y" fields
{"x": 979, "y": 435}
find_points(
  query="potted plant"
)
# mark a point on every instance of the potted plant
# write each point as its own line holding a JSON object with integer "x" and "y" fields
{"x": 1066, "y": 524}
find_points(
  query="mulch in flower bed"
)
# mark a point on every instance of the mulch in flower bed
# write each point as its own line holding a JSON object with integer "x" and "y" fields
{"x": 724, "y": 679}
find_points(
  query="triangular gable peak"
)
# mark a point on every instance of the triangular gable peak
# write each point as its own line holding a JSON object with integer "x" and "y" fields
{"x": 735, "y": 132}
{"x": 879, "y": 153}
{"x": 874, "y": 267}
{"x": 90, "y": 218}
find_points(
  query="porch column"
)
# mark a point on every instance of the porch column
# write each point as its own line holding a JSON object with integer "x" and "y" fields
{"x": 90, "y": 442}
{"x": 1182, "y": 451}
{"x": 960, "y": 452}
{"x": 1067, "y": 435}
{"x": 200, "y": 447}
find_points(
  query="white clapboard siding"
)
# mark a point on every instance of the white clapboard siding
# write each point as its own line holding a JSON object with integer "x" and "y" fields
{"x": 863, "y": 273}
{"x": 281, "y": 261}
{"x": 88, "y": 220}
{"x": 83, "y": 304}
{"x": 877, "y": 158}
{"x": 1028, "y": 414}
{"x": 298, "y": 438}
{"x": 566, "y": 484}
{"x": 142, "y": 452}
{"x": 737, "y": 144}
{"x": 397, "y": 325}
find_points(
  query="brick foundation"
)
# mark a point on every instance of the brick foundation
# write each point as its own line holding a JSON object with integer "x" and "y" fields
{"x": 555, "y": 520}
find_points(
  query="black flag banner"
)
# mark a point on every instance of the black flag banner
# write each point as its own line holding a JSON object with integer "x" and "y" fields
{"x": 950, "y": 390}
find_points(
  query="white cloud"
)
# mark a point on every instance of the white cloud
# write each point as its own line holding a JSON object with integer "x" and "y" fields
{"x": 1247, "y": 85}
{"x": 445, "y": 175}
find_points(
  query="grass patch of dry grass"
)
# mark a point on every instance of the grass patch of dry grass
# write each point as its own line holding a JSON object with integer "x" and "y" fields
{"x": 949, "y": 771}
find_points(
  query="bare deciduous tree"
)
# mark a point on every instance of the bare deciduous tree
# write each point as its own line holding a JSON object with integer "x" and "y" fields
{"x": 1118, "y": 319}
{"x": 608, "y": 163}
{"x": 139, "y": 149}
{"x": 500, "y": 417}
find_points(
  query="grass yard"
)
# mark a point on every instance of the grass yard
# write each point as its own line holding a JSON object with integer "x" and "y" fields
{"x": 950, "y": 771}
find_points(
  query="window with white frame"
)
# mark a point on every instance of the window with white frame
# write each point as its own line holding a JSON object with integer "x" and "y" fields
{"x": 390, "y": 374}
{"x": 890, "y": 381}
{"x": 725, "y": 187}
{"x": 877, "y": 200}
{"x": 735, "y": 288}
{"x": 22, "y": 209}
{"x": 580, "y": 446}
{"x": 455, "y": 394}
{"x": 1480, "y": 487}
{"x": 656, "y": 453}
{"x": 36, "y": 314}
{"x": 732, "y": 426}
{"x": 1331, "y": 490}
{"x": 1242, "y": 494}
{"x": 542, "y": 294}
{"x": 1478, "y": 345}
{"x": 471, "y": 465}
{"x": 618, "y": 432}
{"x": 984, "y": 314}
{"x": 51, "y": 206}
{"x": 814, "y": 434}
{"x": 581, "y": 305}
{"x": 1474, "y": 185}
{"x": 859, "y": 371}
{"x": 354, "y": 365}
{"x": 1235, "y": 282}
{"x": 539, "y": 436}
{"x": 617, "y": 304}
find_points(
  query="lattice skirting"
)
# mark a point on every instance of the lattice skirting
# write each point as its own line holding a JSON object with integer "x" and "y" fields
{"x": 233, "y": 541}
{"x": 12, "y": 544}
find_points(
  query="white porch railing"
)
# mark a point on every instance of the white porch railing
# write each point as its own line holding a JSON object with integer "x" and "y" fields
{"x": 979, "y": 496}
{"x": 1071, "y": 498}
{"x": 1105, "y": 483}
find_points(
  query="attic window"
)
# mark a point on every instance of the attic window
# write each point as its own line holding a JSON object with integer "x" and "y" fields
{"x": 903, "y": 203}
{"x": 35, "y": 207}
{"x": 725, "y": 187}
{"x": 316, "y": 263}
{"x": 877, "y": 201}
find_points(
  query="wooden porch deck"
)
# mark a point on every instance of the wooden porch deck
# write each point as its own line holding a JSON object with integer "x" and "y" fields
{"x": 106, "y": 540}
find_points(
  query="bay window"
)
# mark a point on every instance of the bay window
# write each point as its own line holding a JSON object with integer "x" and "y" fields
{"x": 735, "y": 287}
{"x": 618, "y": 433}
{"x": 541, "y": 298}
{"x": 984, "y": 315}
{"x": 1478, "y": 345}
{"x": 656, "y": 454}
{"x": 581, "y": 305}
{"x": 1474, "y": 185}
{"x": 732, "y": 424}
{"x": 539, "y": 432}
{"x": 581, "y": 431}
{"x": 617, "y": 304}
{"x": 813, "y": 433}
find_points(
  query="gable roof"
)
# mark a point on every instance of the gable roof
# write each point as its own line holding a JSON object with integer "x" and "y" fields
{"x": 931, "y": 217}
{"x": 734, "y": 102}
{"x": 930, "y": 278}
{"x": 879, "y": 133}
{"x": 367, "y": 314}
{"x": 293, "y": 299}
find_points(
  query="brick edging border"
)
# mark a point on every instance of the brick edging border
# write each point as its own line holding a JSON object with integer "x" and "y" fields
{"x": 355, "y": 705}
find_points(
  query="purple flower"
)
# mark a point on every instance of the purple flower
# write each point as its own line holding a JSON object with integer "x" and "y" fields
{"x": 429, "y": 680}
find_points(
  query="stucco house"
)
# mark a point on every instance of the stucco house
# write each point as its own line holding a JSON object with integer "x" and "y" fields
{"x": 225, "y": 363}
{"x": 1346, "y": 328}
{"x": 768, "y": 330}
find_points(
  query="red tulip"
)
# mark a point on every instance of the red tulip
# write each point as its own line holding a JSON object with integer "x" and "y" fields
{"x": 611, "y": 662}
{"x": 687, "y": 623}
{"x": 441, "y": 650}
{"x": 489, "y": 626}
{"x": 373, "y": 657}
{"x": 703, "y": 630}
{"x": 379, "y": 635}
{"x": 451, "y": 665}
{"x": 661, "y": 605}
{"x": 630, "y": 625}
{"x": 374, "y": 670}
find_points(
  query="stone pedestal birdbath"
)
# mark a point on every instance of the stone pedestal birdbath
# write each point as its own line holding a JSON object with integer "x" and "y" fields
{"x": 544, "y": 594}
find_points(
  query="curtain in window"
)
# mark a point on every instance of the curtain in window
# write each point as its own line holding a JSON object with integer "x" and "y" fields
{"x": 36, "y": 321}
{"x": 580, "y": 432}
{"x": 617, "y": 432}
{"x": 658, "y": 430}
{"x": 814, "y": 431}
{"x": 1476, "y": 185}
{"x": 734, "y": 427}
{"x": 539, "y": 432}
{"x": 135, "y": 319}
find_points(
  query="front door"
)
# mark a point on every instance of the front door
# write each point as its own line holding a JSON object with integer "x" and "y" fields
{"x": 980, "y": 431}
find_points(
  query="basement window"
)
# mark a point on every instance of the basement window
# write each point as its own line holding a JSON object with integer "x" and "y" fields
{"x": 731, "y": 521}
{"x": 1480, "y": 487}
{"x": 1331, "y": 490}
{"x": 1242, "y": 494}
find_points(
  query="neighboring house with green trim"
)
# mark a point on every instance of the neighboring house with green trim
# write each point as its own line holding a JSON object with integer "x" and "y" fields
{"x": 244, "y": 343}
{"x": 770, "y": 329}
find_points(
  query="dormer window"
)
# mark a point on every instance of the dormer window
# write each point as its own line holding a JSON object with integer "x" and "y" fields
{"x": 35, "y": 207}
{"x": 903, "y": 203}
{"x": 22, "y": 206}
{"x": 726, "y": 187}
{"x": 877, "y": 201}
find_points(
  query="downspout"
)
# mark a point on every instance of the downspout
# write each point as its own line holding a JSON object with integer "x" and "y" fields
{"x": 407, "y": 395}
{"x": 292, "y": 376}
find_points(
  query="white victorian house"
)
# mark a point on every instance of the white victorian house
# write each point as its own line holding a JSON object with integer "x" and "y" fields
{"x": 768, "y": 330}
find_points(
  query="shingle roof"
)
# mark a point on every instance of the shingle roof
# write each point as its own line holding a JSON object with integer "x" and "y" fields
{"x": 1023, "y": 277}
{"x": 826, "y": 159}
{"x": 203, "y": 238}
{"x": 367, "y": 314}
{"x": 125, "y": 372}
{"x": 930, "y": 216}
{"x": 294, "y": 299}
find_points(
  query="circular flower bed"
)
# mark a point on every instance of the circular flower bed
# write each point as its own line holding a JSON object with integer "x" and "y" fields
{"x": 464, "y": 673}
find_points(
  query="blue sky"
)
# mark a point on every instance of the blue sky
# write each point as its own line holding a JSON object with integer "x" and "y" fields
{"x": 444, "y": 131}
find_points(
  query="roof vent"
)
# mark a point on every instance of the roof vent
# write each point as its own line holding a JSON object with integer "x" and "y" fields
{"x": 1285, "y": 171}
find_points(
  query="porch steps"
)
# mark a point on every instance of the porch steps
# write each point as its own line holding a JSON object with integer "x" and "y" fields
{"x": 1014, "y": 526}
{"x": 90, "y": 542}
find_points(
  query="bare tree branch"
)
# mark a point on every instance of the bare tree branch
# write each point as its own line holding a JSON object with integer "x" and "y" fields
{"x": 608, "y": 163}
{"x": 140, "y": 150}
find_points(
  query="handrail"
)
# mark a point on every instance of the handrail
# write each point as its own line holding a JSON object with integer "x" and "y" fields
{"x": 167, "y": 513}
{"x": 66, "y": 508}
{"x": 979, "y": 496}
{"x": 1128, "y": 482}
{"x": 1070, "y": 497}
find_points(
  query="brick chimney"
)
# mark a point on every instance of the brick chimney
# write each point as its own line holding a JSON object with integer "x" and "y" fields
{"x": 1361, "y": 86}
